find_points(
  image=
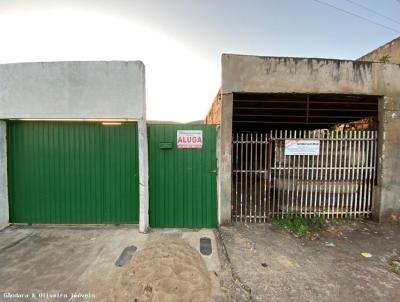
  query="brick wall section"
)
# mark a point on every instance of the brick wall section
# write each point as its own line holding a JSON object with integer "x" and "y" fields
{"x": 392, "y": 49}
{"x": 214, "y": 115}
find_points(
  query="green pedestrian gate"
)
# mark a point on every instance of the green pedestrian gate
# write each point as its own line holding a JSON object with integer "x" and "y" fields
{"x": 73, "y": 172}
{"x": 182, "y": 176}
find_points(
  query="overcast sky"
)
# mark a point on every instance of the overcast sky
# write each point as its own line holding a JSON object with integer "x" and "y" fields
{"x": 181, "y": 41}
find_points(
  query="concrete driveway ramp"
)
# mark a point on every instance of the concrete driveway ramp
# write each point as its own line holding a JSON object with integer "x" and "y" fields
{"x": 126, "y": 255}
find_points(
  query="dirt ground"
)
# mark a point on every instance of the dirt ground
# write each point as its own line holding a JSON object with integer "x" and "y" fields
{"x": 276, "y": 266}
{"x": 166, "y": 270}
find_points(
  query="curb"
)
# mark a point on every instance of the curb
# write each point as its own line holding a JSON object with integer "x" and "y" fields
{"x": 235, "y": 278}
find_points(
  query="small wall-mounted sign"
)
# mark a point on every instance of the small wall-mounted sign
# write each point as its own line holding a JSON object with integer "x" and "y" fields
{"x": 189, "y": 139}
{"x": 301, "y": 147}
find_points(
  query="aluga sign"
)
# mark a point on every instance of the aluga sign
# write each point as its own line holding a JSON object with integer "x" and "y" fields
{"x": 189, "y": 139}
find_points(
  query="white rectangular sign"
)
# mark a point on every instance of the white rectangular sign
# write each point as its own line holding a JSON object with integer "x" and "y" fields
{"x": 301, "y": 147}
{"x": 189, "y": 139}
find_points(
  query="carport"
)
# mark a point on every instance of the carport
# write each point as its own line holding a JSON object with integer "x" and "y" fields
{"x": 295, "y": 154}
{"x": 348, "y": 109}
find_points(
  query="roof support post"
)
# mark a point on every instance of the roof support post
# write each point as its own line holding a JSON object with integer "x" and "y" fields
{"x": 386, "y": 205}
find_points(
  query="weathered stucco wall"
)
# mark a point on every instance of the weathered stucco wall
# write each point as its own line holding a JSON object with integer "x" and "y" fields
{"x": 72, "y": 90}
{"x": 253, "y": 74}
{"x": 301, "y": 75}
{"x": 391, "y": 49}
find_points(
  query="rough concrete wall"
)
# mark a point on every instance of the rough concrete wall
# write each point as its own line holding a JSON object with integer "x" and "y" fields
{"x": 387, "y": 192}
{"x": 3, "y": 176}
{"x": 392, "y": 49}
{"x": 255, "y": 74}
{"x": 225, "y": 160}
{"x": 214, "y": 115}
{"x": 301, "y": 75}
{"x": 72, "y": 90}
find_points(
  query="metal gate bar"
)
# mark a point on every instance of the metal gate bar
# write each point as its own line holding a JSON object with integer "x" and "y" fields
{"x": 338, "y": 182}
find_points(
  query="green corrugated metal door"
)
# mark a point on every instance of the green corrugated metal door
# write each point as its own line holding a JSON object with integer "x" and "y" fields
{"x": 72, "y": 172}
{"x": 182, "y": 181}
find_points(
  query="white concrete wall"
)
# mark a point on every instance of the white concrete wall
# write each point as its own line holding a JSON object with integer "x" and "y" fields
{"x": 72, "y": 90}
{"x": 3, "y": 176}
{"x": 75, "y": 90}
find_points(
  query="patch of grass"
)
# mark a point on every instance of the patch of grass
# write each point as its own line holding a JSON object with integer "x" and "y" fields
{"x": 301, "y": 226}
{"x": 394, "y": 262}
{"x": 394, "y": 268}
{"x": 394, "y": 222}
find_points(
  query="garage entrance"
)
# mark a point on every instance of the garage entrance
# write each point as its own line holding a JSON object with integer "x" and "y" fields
{"x": 273, "y": 176}
{"x": 303, "y": 155}
{"x": 73, "y": 172}
{"x": 182, "y": 179}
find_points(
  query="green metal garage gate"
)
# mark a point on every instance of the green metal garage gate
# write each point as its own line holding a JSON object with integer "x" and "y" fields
{"x": 73, "y": 172}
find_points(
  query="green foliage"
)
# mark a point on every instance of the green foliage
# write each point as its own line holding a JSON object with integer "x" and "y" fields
{"x": 395, "y": 268}
{"x": 335, "y": 127}
{"x": 301, "y": 226}
{"x": 385, "y": 59}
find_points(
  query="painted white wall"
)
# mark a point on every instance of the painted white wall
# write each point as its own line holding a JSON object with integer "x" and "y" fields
{"x": 71, "y": 90}
{"x": 75, "y": 90}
